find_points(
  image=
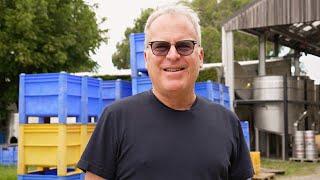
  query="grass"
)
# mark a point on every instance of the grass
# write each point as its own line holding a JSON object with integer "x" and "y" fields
{"x": 291, "y": 168}
{"x": 8, "y": 172}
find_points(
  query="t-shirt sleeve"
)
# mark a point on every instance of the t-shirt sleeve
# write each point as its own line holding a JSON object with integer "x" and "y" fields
{"x": 241, "y": 166}
{"x": 100, "y": 156}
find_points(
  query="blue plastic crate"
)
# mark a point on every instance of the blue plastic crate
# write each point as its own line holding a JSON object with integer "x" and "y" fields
{"x": 246, "y": 132}
{"x": 209, "y": 90}
{"x": 225, "y": 96}
{"x": 8, "y": 155}
{"x": 59, "y": 94}
{"x": 225, "y": 93}
{"x": 91, "y": 98}
{"x": 51, "y": 175}
{"x": 141, "y": 84}
{"x": 137, "y": 54}
{"x": 114, "y": 90}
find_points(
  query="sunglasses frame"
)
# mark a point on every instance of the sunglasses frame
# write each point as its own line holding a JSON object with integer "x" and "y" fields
{"x": 194, "y": 42}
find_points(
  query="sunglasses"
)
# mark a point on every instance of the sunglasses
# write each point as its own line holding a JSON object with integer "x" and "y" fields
{"x": 161, "y": 48}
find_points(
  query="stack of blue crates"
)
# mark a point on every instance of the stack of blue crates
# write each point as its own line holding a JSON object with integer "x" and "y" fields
{"x": 59, "y": 95}
{"x": 137, "y": 63}
{"x": 139, "y": 75}
{"x": 8, "y": 155}
{"x": 215, "y": 92}
{"x": 209, "y": 90}
{"x": 66, "y": 97}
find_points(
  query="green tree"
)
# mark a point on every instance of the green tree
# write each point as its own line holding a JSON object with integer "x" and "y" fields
{"x": 44, "y": 36}
{"x": 121, "y": 58}
{"x": 212, "y": 16}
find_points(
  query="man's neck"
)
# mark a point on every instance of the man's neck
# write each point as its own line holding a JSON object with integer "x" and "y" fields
{"x": 177, "y": 101}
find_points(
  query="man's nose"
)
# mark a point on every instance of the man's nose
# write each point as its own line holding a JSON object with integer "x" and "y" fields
{"x": 173, "y": 53}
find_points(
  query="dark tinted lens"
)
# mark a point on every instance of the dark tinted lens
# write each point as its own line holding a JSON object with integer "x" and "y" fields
{"x": 160, "y": 48}
{"x": 185, "y": 48}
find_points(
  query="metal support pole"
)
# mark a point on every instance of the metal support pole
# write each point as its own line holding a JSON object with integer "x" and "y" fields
{"x": 256, "y": 131}
{"x": 268, "y": 144}
{"x": 285, "y": 143}
{"x": 296, "y": 63}
{"x": 283, "y": 138}
{"x": 276, "y": 45}
{"x": 262, "y": 55}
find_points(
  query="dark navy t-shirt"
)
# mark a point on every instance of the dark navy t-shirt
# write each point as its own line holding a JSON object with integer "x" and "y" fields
{"x": 139, "y": 138}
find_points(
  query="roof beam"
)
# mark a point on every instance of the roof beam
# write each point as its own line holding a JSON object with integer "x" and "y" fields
{"x": 294, "y": 37}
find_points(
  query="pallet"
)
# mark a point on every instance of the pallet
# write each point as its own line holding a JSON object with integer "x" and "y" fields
{"x": 264, "y": 176}
{"x": 305, "y": 160}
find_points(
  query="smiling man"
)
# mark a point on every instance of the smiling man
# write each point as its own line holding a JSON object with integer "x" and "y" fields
{"x": 168, "y": 133}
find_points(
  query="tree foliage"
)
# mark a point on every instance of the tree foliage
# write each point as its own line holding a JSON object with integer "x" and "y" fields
{"x": 44, "y": 36}
{"x": 212, "y": 15}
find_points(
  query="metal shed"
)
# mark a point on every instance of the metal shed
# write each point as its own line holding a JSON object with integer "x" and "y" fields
{"x": 291, "y": 23}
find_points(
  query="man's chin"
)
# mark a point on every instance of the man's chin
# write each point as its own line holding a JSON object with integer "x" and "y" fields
{"x": 174, "y": 87}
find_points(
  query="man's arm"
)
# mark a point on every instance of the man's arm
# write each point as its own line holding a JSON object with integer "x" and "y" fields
{"x": 91, "y": 176}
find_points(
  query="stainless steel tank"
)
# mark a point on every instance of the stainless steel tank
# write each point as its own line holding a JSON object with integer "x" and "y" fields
{"x": 269, "y": 116}
{"x": 298, "y": 144}
{"x": 271, "y": 88}
{"x": 311, "y": 151}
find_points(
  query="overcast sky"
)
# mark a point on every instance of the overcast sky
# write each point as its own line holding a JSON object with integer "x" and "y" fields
{"x": 121, "y": 14}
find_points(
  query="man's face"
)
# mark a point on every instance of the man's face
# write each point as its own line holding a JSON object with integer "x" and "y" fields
{"x": 173, "y": 72}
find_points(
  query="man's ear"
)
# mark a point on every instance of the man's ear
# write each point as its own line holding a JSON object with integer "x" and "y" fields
{"x": 201, "y": 56}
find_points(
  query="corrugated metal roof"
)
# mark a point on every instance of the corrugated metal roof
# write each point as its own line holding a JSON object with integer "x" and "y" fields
{"x": 292, "y": 23}
{"x": 263, "y": 13}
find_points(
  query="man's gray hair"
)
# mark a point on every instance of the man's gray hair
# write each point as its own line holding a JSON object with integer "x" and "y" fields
{"x": 174, "y": 9}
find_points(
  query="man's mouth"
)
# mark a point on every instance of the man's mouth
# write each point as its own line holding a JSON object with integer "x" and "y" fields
{"x": 174, "y": 69}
